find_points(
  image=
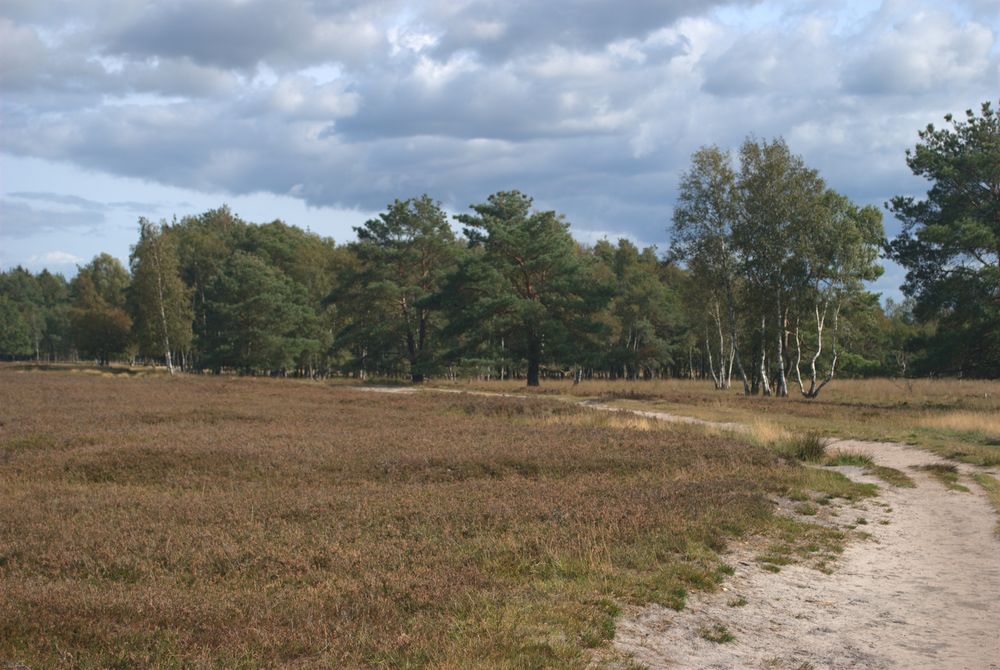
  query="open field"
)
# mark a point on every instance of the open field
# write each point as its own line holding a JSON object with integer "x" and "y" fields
{"x": 220, "y": 522}
{"x": 954, "y": 418}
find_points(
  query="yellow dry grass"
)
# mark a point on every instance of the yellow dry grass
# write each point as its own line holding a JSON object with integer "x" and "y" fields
{"x": 953, "y": 417}
{"x": 766, "y": 432}
{"x": 986, "y": 424}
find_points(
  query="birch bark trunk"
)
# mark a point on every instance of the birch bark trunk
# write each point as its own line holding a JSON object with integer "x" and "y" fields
{"x": 764, "y": 382}
{"x": 163, "y": 312}
{"x": 781, "y": 389}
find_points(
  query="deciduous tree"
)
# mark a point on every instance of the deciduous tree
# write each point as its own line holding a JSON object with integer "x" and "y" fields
{"x": 161, "y": 301}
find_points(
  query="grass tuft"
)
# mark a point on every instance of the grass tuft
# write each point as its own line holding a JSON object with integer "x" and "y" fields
{"x": 991, "y": 486}
{"x": 717, "y": 633}
{"x": 946, "y": 473}
{"x": 840, "y": 457}
{"x": 810, "y": 448}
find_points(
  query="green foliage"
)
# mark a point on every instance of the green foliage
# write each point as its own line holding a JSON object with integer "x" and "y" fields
{"x": 644, "y": 315}
{"x": 950, "y": 242}
{"x": 525, "y": 285}
{"x": 15, "y": 333}
{"x": 161, "y": 302}
{"x": 100, "y": 326}
{"x": 36, "y": 315}
{"x": 403, "y": 257}
{"x": 257, "y": 319}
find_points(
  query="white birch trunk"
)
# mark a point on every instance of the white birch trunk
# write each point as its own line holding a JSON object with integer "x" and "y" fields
{"x": 782, "y": 388}
{"x": 764, "y": 382}
{"x": 155, "y": 244}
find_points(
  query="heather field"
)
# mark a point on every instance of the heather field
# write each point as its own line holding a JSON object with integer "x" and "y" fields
{"x": 955, "y": 418}
{"x": 234, "y": 522}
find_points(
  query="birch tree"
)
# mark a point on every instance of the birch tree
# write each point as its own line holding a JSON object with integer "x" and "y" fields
{"x": 838, "y": 254}
{"x": 707, "y": 209}
{"x": 772, "y": 254}
{"x": 161, "y": 302}
{"x": 780, "y": 203}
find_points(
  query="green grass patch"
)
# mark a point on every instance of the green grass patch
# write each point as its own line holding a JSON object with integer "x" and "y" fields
{"x": 806, "y": 509}
{"x": 991, "y": 486}
{"x": 946, "y": 473}
{"x": 892, "y": 476}
{"x": 840, "y": 457}
{"x": 717, "y": 633}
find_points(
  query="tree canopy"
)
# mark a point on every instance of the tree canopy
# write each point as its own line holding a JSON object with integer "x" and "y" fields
{"x": 950, "y": 240}
{"x": 525, "y": 285}
{"x": 772, "y": 251}
{"x": 403, "y": 258}
{"x": 766, "y": 282}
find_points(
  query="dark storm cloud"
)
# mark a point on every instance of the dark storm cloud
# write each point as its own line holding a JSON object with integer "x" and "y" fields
{"x": 591, "y": 106}
{"x": 227, "y": 35}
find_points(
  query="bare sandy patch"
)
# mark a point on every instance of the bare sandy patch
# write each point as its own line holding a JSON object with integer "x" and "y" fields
{"x": 922, "y": 592}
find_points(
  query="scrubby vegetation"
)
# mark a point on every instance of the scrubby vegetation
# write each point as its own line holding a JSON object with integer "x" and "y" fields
{"x": 241, "y": 522}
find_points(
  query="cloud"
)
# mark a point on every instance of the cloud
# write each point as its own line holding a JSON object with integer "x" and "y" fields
{"x": 241, "y": 35}
{"x": 20, "y": 220}
{"x": 76, "y": 202}
{"x": 592, "y": 107}
{"x": 55, "y": 258}
{"x": 924, "y": 53}
{"x": 501, "y": 31}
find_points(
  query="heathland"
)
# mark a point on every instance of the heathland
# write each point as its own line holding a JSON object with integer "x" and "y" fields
{"x": 957, "y": 419}
{"x": 149, "y": 521}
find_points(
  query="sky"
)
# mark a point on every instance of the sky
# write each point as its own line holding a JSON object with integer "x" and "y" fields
{"x": 320, "y": 112}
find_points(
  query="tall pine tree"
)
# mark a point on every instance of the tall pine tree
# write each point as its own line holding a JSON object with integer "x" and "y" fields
{"x": 526, "y": 283}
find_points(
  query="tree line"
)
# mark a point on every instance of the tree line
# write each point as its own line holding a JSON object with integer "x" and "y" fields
{"x": 763, "y": 284}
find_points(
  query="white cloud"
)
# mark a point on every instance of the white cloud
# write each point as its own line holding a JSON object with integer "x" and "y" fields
{"x": 592, "y": 107}
{"x": 55, "y": 259}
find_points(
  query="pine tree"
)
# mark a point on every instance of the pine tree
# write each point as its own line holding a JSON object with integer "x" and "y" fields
{"x": 526, "y": 283}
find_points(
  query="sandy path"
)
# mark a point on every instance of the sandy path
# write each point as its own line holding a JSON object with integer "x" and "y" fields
{"x": 664, "y": 416}
{"x": 922, "y": 593}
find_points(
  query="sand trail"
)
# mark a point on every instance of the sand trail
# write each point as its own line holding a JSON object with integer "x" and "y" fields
{"x": 923, "y": 592}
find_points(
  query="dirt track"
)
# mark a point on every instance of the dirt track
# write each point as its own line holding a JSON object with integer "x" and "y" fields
{"x": 924, "y": 592}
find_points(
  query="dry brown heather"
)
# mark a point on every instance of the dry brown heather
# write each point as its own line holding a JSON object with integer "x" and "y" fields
{"x": 955, "y": 418}
{"x": 219, "y": 522}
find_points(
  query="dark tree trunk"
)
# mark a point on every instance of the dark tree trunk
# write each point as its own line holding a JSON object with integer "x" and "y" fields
{"x": 534, "y": 359}
{"x": 533, "y": 365}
